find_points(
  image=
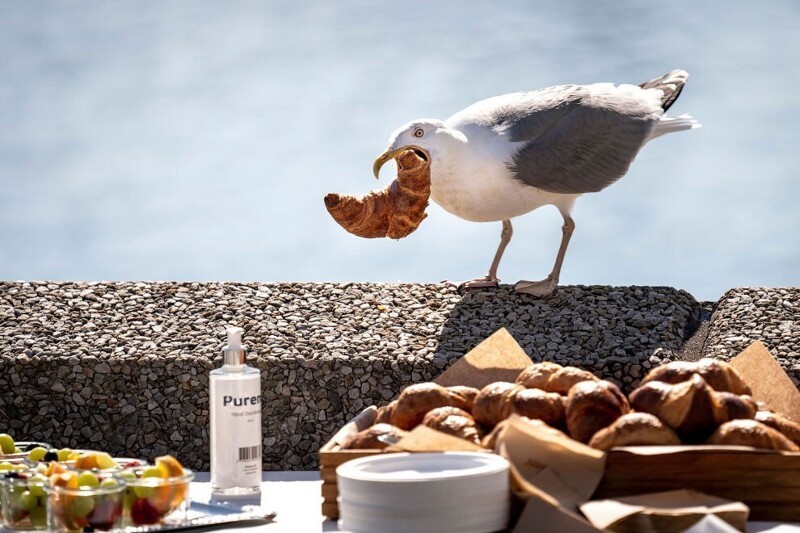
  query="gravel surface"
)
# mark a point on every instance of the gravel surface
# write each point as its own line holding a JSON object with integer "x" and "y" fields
{"x": 770, "y": 315}
{"x": 124, "y": 366}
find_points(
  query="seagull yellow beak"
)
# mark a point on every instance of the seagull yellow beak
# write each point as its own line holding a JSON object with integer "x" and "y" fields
{"x": 383, "y": 158}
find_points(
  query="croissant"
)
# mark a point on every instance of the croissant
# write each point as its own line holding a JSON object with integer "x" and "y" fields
{"x": 394, "y": 212}
{"x": 719, "y": 375}
{"x": 384, "y": 414}
{"x": 788, "y": 427}
{"x": 552, "y": 377}
{"x": 752, "y": 433}
{"x": 468, "y": 393}
{"x": 634, "y": 429}
{"x": 549, "y": 407}
{"x": 376, "y": 437}
{"x": 691, "y": 407}
{"x": 536, "y": 375}
{"x": 453, "y": 421}
{"x": 491, "y": 404}
{"x": 418, "y": 399}
{"x": 592, "y": 406}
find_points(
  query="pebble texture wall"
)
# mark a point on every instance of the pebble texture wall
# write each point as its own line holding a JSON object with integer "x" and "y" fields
{"x": 124, "y": 366}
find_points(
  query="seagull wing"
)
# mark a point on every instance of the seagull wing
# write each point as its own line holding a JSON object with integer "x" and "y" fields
{"x": 577, "y": 139}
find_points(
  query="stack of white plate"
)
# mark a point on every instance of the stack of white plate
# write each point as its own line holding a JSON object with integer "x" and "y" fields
{"x": 420, "y": 492}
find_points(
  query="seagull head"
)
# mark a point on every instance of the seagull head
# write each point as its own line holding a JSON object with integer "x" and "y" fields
{"x": 429, "y": 138}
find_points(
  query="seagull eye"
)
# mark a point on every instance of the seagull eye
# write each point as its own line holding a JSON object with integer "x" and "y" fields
{"x": 419, "y": 132}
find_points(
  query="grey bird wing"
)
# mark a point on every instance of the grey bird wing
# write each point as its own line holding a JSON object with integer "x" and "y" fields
{"x": 577, "y": 139}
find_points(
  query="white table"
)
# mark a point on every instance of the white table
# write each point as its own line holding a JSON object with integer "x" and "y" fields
{"x": 296, "y": 497}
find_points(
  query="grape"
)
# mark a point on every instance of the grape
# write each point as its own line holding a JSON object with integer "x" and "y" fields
{"x": 127, "y": 476}
{"x": 143, "y": 512}
{"x": 6, "y": 466}
{"x": 27, "y": 501}
{"x": 87, "y": 479}
{"x": 63, "y": 454}
{"x": 35, "y": 485}
{"x": 82, "y": 506}
{"x": 37, "y": 454}
{"x": 38, "y": 517}
{"x": 7, "y": 443}
{"x": 149, "y": 472}
{"x": 51, "y": 455}
{"x": 109, "y": 483}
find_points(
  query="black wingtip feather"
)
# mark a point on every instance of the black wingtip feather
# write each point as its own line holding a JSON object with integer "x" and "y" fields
{"x": 671, "y": 84}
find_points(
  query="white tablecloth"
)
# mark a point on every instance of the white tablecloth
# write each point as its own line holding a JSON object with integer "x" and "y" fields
{"x": 296, "y": 498}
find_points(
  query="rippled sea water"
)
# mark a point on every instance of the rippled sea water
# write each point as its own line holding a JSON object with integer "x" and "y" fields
{"x": 196, "y": 140}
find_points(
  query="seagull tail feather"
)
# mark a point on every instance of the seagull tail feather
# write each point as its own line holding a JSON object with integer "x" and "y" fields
{"x": 673, "y": 124}
{"x": 670, "y": 84}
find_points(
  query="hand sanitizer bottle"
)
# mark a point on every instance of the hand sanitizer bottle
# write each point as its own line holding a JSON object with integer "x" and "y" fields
{"x": 235, "y": 409}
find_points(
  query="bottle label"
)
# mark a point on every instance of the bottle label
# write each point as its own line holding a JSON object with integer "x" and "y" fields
{"x": 235, "y": 433}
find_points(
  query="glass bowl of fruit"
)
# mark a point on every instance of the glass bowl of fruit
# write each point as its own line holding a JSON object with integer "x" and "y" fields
{"x": 7, "y": 467}
{"x": 158, "y": 493}
{"x": 84, "y": 500}
{"x": 24, "y": 500}
{"x": 81, "y": 459}
{"x": 9, "y": 449}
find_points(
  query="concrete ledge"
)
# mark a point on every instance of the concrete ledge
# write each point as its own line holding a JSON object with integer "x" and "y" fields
{"x": 123, "y": 366}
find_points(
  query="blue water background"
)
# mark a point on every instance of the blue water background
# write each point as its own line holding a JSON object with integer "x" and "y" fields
{"x": 195, "y": 140}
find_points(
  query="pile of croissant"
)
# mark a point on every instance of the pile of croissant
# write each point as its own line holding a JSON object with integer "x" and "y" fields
{"x": 678, "y": 403}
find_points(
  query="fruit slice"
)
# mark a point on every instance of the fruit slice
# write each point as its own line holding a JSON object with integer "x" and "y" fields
{"x": 169, "y": 466}
{"x": 104, "y": 461}
{"x": 86, "y": 461}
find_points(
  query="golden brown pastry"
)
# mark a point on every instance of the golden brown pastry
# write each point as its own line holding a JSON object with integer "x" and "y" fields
{"x": 691, "y": 407}
{"x": 384, "y": 414}
{"x": 536, "y": 375}
{"x": 719, "y": 375}
{"x": 376, "y": 437}
{"x": 549, "y": 407}
{"x": 491, "y": 404}
{"x": 788, "y": 427}
{"x": 453, "y": 421}
{"x": 552, "y": 377}
{"x": 728, "y": 406}
{"x": 634, "y": 429}
{"x": 592, "y": 406}
{"x": 752, "y": 433}
{"x": 686, "y": 407}
{"x": 418, "y": 399}
{"x": 563, "y": 380}
{"x": 468, "y": 393}
{"x": 394, "y": 212}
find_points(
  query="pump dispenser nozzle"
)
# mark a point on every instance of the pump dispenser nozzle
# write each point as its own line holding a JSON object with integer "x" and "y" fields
{"x": 234, "y": 354}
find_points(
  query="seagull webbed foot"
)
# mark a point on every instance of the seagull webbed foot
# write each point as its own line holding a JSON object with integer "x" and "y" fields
{"x": 539, "y": 289}
{"x": 485, "y": 282}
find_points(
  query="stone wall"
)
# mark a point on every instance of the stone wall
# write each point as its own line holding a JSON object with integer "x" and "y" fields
{"x": 124, "y": 366}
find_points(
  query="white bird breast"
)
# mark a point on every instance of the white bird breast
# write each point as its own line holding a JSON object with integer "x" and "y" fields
{"x": 473, "y": 181}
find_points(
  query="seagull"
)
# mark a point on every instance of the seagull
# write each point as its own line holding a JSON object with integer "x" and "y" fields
{"x": 508, "y": 155}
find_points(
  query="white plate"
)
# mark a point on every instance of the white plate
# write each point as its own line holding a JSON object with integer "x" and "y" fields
{"x": 457, "y": 523}
{"x": 422, "y": 467}
{"x": 424, "y": 493}
{"x": 450, "y": 491}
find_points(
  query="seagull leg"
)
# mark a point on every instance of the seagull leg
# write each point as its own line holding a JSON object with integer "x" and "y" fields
{"x": 490, "y": 279}
{"x": 546, "y": 286}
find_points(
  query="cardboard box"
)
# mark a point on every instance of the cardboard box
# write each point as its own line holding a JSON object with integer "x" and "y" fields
{"x": 767, "y": 481}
